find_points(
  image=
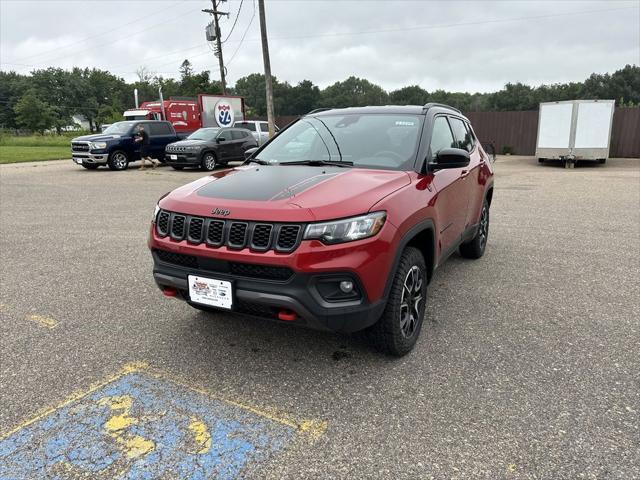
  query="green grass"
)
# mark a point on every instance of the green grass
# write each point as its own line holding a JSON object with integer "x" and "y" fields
{"x": 38, "y": 140}
{"x": 15, "y": 154}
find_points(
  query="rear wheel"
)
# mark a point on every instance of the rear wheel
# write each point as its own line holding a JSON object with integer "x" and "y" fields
{"x": 90, "y": 166}
{"x": 208, "y": 162}
{"x": 118, "y": 160}
{"x": 475, "y": 247}
{"x": 397, "y": 330}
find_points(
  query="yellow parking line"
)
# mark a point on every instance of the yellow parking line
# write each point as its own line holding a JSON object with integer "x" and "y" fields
{"x": 43, "y": 321}
{"x": 311, "y": 429}
{"x": 128, "y": 368}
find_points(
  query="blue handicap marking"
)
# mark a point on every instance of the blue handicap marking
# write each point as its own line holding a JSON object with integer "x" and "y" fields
{"x": 141, "y": 426}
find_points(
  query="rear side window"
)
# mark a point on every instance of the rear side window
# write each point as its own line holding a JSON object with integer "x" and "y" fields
{"x": 237, "y": 134}
{"x": 248, "y": 125}
{"x": 264, "y": 126}
{"x": 441, "y": 136}
{"x": 159, "y": 129}
{"x": 463, "y": 137}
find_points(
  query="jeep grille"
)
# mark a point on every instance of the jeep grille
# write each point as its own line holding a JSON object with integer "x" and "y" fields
{"x": 235, "y": 234}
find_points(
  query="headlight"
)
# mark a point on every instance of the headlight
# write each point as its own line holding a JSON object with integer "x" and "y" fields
{"x": 98, "y": 145}
{"x": 346, "y": 230}
{"x": 155, "y": 213}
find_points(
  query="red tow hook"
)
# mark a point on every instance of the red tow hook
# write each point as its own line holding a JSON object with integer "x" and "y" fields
{"x": 287, "y": 315}
{"x": 170, "y": 292}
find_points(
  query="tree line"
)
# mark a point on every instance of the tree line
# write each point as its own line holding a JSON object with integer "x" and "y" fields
{"x": 47, "y": 99}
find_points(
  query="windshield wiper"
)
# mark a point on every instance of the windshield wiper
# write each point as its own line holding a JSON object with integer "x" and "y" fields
{"x": 257, "y": 160}
{"x": 320, "y": 163}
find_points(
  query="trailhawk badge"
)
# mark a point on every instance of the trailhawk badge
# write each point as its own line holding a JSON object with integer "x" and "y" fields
{"x": 224, "y": 114}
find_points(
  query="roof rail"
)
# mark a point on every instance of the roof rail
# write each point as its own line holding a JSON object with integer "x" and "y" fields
{"x": 316, "y": 110}
{"x": 429, "y": 105}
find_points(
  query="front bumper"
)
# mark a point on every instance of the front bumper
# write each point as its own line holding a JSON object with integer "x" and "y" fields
{"x": 89, "y": 157}
{"x": 365, "y": 262}
{"x": 183, "y": 158}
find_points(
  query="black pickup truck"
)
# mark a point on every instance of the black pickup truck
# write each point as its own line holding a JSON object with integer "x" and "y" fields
{"x": 116, "y": 146}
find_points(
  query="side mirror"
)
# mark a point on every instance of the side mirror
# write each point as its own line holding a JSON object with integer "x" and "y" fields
{"x": 248, "y": 153}
{"x": 221, "y": 139}
{"x": 450, "y": 158}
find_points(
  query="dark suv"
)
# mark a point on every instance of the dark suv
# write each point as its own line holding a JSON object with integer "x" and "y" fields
{"x": 209, "y": 147}
{"x": 337, "y": 223}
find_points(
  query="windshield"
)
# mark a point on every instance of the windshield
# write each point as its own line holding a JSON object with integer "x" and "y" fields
{"x": 206, "y": 134}
{"x": 119, "y": 128}
{"x": 369, "y": 141}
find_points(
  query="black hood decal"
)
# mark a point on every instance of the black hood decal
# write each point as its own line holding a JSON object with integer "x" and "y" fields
{"x": 266, "y": 183}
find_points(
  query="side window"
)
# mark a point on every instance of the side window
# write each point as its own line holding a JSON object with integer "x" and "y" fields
{"x": 158, "y": 129}
{"x": 237, "y": 134}
{"x": 248, "y": 125}
{"x": 264, "y": 126}
{"x": 441, "y": 136}
{"x": 472, "y": 135}
{"x": 463, "y": 137}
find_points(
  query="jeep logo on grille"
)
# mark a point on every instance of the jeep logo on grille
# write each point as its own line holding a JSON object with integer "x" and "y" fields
{"x": 220, "y": 211}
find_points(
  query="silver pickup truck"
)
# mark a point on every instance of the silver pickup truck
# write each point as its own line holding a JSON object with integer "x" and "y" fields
{"x": 258, "y": 128}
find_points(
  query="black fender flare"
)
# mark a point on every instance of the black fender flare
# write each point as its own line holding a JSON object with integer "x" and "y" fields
{"x": 424, "y": 225}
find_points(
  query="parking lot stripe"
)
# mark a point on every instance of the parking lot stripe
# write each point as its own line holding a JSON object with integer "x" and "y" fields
{"x": 144, "y": 420}
{"x": 128, "y": 368}
{"x": 312, "y": 429}
{"x": 43, "y": 321}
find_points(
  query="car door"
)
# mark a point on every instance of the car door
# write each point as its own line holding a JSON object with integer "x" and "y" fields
{"x": 452, "y": 196}
{"x": 224, "y": 141}
{"x": 156, "y": 146}
{"x": 238, "y": 143}
{"x": 264, "y": 132}
{"x": 471, "y": 175}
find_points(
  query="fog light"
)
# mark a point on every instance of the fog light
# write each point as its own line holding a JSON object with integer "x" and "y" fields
{"x": 346, "y": 287}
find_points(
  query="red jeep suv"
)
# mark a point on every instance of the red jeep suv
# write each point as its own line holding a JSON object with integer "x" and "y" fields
{"x": 337, "y": 223}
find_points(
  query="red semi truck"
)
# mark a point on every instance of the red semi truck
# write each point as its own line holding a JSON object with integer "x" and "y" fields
{"x": 189, "y": 114}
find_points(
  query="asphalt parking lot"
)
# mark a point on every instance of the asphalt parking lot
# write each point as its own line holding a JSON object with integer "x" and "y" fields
{"x": 528, "y": 365}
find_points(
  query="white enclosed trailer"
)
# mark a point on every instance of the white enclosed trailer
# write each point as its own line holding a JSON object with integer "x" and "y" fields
{"x": 574, "y": 130}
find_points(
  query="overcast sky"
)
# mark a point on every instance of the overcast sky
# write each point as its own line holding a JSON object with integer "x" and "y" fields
{"x": 453, "y": 45}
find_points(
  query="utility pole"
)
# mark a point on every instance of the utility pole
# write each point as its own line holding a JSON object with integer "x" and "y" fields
{"x": 215, "y": 36}
{"x": 267, "y": 69}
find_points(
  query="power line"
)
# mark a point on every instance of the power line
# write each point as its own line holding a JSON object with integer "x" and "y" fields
{"x": 234, "y": 22}
{"x": 108, "y": 43}
{"x": 391, "y": 30}
{"x": 95, "y": 36}
{"x": 244, "y": 34}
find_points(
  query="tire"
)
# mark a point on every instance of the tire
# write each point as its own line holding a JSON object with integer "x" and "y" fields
{"x": 118, "y": 160}
{"x": 177, "y": 167}
{"x": 602, "y": 161}
{"x": 90, "y": 166}
{"x": 208, "y": 162}
{"x": 475, "y": 247}
{"x": 398, "y": 329}
{"x": 541, "y": 160}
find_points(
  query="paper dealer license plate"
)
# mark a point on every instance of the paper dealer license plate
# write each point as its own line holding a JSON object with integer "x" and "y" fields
{"x": 208, "y": 291}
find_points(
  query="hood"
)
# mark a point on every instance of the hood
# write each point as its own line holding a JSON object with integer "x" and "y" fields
{"x": 98, "y": 137}
{"x": 286, "y": 194}
{"x": 189, "y": 143}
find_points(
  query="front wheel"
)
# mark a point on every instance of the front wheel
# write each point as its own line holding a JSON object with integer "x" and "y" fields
{"x": 208, "y": 162}
{"x": 118, "y": 160}
{"x": 475, "y": 247}
{"x": 398, "y": 329}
